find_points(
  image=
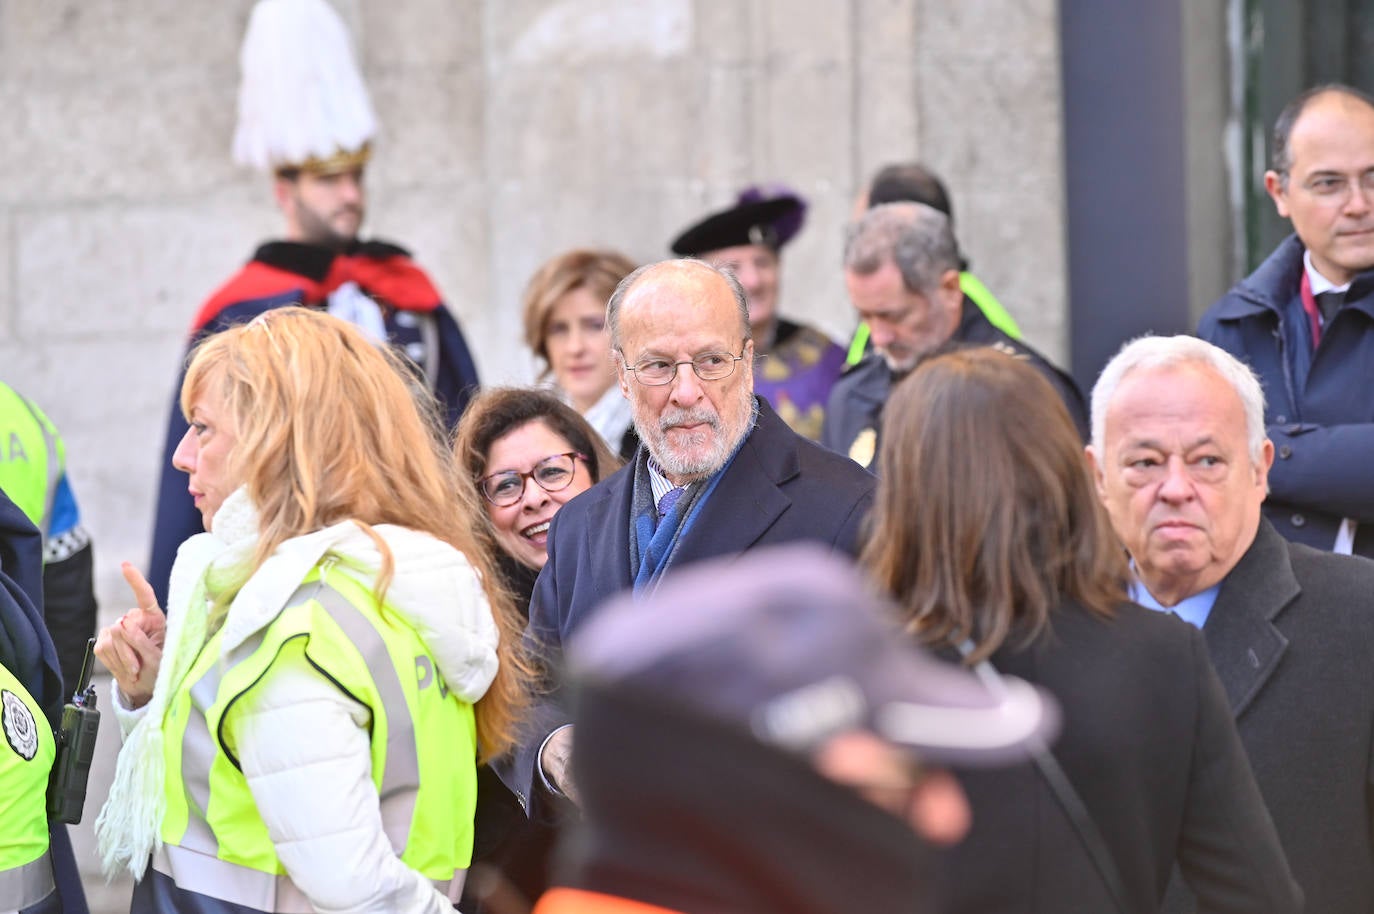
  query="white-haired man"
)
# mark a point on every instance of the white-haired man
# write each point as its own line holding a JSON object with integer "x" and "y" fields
{"x": 1181, "y": 461}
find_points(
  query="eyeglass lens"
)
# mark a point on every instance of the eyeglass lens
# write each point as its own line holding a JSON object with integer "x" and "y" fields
{"x": 709, "y": 366}
{"x": 551, "y": 474}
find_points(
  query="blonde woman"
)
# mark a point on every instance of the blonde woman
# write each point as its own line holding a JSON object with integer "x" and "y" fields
{"x": 303, "y": 732}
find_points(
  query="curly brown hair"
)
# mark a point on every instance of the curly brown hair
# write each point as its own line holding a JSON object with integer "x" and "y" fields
{"x": 499, "y": 410}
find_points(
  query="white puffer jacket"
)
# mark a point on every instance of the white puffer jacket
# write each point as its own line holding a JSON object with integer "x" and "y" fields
{"x": 303, "y": 744}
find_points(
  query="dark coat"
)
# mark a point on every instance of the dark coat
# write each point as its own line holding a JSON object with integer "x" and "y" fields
{"x": 853, "y": 417}
{"x": 779, "y": 488}
{"x": 1318, "y": 409}
{"x": 27, "y": 652}
{"x": 504, "y": 839}
{"x": 1149, "y": 744}
{"x": 26, "y": 649}
{"x": 1292, "y": 636}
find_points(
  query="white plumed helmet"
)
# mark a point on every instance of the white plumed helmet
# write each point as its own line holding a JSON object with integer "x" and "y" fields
{"x": 302, "y": 102}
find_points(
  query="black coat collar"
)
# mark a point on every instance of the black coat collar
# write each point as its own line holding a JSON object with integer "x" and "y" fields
{"x": 313, "y": 261}
{"x": 1244, "y": 643}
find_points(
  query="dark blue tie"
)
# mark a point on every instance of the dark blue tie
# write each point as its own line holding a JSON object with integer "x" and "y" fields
{"x": 1328, "y": 303}
{"x": 665, "y": 504}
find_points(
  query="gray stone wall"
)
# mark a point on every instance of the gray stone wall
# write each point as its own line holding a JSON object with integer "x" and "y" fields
{"x": 511, "y": 130}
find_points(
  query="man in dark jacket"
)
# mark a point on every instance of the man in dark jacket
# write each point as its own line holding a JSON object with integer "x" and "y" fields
{"x": 718, "y": 473}
{"x": 1304, "y": 321}
{"x": 901, "y": 268}
{"x": 1182, "y": 462}
{"x": 914, "y": 182}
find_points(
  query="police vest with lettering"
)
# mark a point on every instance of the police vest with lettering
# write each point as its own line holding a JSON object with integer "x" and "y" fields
{"x": 31, "y": 457}
{"x": 423, "y": 743}
{"x": 26, "y": 756}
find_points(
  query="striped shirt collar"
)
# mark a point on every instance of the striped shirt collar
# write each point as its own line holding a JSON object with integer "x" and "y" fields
{"x": 658, "y": 482}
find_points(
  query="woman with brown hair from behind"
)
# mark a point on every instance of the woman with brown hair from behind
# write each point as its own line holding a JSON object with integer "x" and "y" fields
{"x": 989, "y": 535}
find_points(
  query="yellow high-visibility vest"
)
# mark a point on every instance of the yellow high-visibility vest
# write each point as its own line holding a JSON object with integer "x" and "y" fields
{"x": 423, "y": 740}
{"x": 27, "y": 750}
{"x": 31, "y": 457}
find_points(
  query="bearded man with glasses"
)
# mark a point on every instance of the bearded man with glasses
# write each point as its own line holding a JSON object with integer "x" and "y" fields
{"x": 717, "y": 473}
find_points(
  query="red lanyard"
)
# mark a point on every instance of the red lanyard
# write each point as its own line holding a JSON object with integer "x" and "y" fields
{"x": 1309, "y": 304}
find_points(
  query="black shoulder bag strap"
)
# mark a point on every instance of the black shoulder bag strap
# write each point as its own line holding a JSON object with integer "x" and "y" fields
{"x": 1089, "y": 835}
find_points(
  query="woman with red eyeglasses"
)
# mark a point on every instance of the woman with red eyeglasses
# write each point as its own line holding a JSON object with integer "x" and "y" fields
{"x": 527, "y": 453}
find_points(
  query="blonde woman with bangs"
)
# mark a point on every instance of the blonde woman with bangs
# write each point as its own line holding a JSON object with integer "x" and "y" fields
{"x": 302, "y": 728}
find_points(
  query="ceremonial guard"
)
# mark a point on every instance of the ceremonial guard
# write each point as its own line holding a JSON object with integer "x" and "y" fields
{"x": 305, "y": 117}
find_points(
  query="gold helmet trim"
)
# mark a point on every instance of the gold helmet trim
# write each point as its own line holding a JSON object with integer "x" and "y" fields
{"x": 341, "y": 161}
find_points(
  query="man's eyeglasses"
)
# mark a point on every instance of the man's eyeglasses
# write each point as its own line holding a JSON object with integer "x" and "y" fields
{"x": 552, "y": 474}
{"x": 1332, "y": 186}
{"x": 709, "y": 366}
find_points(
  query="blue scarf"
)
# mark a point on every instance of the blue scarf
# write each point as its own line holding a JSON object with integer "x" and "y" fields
{"x": 654, "y": 542}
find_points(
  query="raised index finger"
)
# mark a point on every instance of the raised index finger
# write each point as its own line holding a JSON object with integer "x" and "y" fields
{"x": 143, "y": 591}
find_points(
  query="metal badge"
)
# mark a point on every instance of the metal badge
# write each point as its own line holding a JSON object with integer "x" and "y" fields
{"x": 21, "y": 730}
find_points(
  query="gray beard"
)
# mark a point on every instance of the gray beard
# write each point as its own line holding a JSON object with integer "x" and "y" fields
{"x": 655, "y": 438}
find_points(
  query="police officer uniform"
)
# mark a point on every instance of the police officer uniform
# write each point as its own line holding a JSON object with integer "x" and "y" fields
{"x": 853, "y": 419}
{"x": 27, "y": 752}
{"x": 33, "y": 473}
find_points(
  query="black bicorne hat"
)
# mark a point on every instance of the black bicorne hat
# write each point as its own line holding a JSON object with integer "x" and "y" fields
{"x": 760, "y": 216}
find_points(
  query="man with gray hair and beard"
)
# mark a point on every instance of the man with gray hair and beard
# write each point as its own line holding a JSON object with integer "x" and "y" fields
{"x": 717, "y": 473}
{"x": 901, "y": 269}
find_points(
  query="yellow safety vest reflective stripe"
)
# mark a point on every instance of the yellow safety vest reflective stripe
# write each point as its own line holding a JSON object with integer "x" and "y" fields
{"x": 423, "y": 742}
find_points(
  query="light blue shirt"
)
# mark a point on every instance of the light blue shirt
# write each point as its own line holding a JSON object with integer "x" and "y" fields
{"x": 1194, "y": 610}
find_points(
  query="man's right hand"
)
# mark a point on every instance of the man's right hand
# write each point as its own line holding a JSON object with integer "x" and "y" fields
{"x": 556, "y": 760}
{"x": 132, "y": 648}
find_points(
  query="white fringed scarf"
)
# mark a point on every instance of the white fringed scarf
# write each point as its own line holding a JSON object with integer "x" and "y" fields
{"x": 129, "y": 826}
